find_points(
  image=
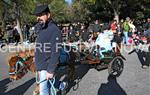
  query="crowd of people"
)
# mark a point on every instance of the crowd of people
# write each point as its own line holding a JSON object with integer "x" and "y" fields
{"x": 12, "y": 35}
{"x": 124, "y": 31}
{"x": 82, "y": 31}
{"x": 85, "y": 31}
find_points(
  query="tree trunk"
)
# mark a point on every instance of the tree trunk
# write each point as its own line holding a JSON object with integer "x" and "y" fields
{"x": 19, "y": 30}
{"x": 17, "y": 13}
{"x": 114, "y": 5}
{"x": 116, "y": 16}
{"x": 3, "y": 26}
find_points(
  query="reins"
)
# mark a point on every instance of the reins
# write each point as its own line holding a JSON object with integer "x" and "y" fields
{"x": 53, "y": 90}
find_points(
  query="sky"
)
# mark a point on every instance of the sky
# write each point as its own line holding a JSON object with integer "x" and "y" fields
{"x": 69, "y": 1}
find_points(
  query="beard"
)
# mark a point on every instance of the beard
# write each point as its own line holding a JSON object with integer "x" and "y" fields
{"x": 40, "y": 21}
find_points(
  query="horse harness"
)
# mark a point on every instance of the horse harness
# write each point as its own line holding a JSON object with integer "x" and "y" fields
{"x": 21, "y": 63}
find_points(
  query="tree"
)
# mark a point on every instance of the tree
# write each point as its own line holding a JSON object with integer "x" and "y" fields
{"x": 57, "y": 10}
{"x": 120, "y": 8}
{"x": 17, "y": 10}
{"x": 79, "y": 10}
{"x": 3, "y": 13}
{"x": 76, "y": 11}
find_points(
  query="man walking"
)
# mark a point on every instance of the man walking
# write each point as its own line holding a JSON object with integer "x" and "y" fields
{"x": 46, "y": 52}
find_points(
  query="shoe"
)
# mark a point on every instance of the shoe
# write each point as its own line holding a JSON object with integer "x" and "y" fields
{"x": 63, "y": 86}
{"x": 144, "y": 67}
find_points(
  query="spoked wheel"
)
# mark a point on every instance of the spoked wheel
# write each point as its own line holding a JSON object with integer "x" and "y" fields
{"x": 116, "y": 66}
{"x": 2, "y": 45}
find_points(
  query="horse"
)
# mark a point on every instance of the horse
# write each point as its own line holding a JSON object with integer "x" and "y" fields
{"x": 19, "y": 63}
{"x": 23, "y": 61}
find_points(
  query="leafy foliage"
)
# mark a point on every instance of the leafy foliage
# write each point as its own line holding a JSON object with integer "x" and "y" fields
{"x": 80, "y": 10}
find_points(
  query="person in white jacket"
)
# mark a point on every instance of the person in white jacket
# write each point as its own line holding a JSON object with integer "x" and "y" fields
{"x": 104, "y": 39}
{"x": 132, "y": 26}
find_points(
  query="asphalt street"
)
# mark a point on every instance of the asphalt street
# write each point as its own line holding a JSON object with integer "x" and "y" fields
{"x": 133, "y": 81}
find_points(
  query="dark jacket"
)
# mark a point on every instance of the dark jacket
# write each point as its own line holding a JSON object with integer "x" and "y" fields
{"x": 47, "y": 58}
{"x": 147, "y": 32}
{"x": 85, "y": 35}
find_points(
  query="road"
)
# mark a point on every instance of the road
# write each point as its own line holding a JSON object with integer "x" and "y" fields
{"x": 133, "y": 81}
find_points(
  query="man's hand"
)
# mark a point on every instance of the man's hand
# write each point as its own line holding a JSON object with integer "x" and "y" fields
{"x": 49, "y": 75}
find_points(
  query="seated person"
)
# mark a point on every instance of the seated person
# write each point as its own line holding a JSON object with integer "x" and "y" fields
{"x": 104, "y": 42}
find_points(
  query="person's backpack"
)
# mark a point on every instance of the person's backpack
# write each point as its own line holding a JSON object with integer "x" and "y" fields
{"x": 63, "y": 57}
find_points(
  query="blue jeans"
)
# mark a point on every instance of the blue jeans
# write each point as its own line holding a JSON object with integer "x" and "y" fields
{"x": 125, "y": 38}
{"x": 45, "y": 85}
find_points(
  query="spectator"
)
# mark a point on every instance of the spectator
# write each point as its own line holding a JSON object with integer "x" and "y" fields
{"x": 96, "y": 27}
{"x": 126, "y": 30}
{"x": 113, "y": 26}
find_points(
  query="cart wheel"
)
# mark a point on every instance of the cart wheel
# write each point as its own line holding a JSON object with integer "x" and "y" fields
{"x": 116, "y": 66}
{"x": 2, "y": 45}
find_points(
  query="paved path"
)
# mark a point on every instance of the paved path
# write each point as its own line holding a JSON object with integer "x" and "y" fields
{"x": 133, "y": 81}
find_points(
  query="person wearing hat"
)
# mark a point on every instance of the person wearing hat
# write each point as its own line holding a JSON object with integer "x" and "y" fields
{"x": 46, "y": 52}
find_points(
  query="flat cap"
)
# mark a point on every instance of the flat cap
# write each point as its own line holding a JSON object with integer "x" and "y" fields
{"x": 40, "y": 9}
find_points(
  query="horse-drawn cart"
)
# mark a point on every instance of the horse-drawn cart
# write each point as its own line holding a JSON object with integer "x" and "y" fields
{"x": 102, "y": 59}
{"x": 100, "y": 54}
{"x": 21, "y": 62}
